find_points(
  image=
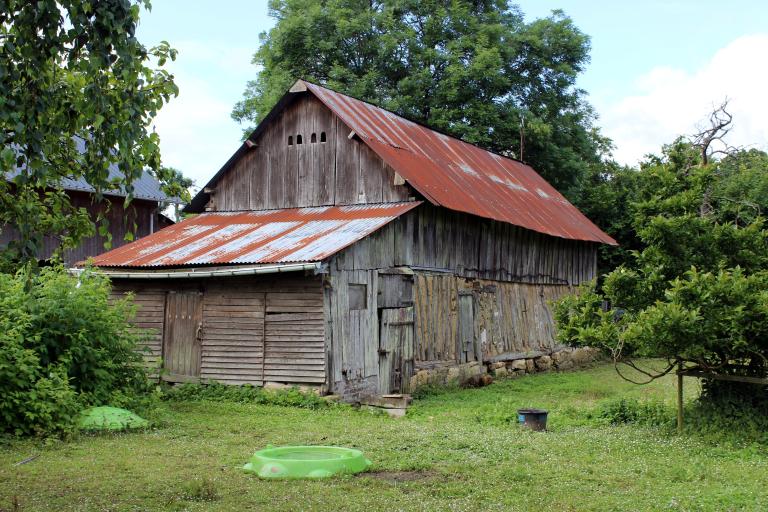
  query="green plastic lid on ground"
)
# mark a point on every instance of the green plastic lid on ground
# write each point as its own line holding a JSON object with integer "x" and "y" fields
{"x": 110, "y": 418}
{"x": 306, "y": 462}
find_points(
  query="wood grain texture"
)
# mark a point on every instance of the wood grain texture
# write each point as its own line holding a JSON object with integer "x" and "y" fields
{"x": 432, "y": 238}
{"x": 254, "y": 329}
{"x": 275, "y": 174}
{"x": 396, "y": 350}
{"x": 149, "y": 320}
{"x": 461, "y": 320}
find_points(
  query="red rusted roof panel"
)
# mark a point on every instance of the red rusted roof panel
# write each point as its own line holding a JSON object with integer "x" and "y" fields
{"x": 266, "y": 236}
{"x": 457, "y": 175}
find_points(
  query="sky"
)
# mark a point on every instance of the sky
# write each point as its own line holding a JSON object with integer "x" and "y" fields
{"x": 657, "y": 69}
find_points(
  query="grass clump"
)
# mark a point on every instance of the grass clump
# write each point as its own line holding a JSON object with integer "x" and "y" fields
{"x": 631, "y": 410}
{"x": 203, "y": 489}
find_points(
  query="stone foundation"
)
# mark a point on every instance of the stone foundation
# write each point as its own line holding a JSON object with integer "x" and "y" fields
{"x": 447, "y": 374}
{"x": 562, "y": 359}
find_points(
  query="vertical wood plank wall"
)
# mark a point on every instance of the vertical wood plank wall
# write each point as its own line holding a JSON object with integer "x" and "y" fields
{"x": 503, "y": 275}
{"x": 255, "y": 329}
{"x": 433, "y": 238}
{"x": 120, "y": 220}
{"x": 354, "y": 337}
{"x": 278, "y": 175}
{"x": 506, "y": 317}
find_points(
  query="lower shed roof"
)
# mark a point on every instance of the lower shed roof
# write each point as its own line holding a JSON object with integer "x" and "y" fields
{"x": 256, "y": 237}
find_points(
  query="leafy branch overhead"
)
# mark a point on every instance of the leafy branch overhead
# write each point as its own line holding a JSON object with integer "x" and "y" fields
{"x": 694, "y": 290}
{"x": 73, "y": 68}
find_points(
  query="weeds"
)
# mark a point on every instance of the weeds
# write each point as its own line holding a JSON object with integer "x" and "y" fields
{"x": 200, "y": 490}
{"x": 246, "y": 394}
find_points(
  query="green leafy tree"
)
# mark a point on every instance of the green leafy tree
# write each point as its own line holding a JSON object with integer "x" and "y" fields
{"x": 474, "y": 69}
{"x": 72, "y": 68}
{"x": 694, "y": 291}
{"x": 175, "y": 185}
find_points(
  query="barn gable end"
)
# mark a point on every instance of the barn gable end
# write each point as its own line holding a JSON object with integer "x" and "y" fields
{"x": 304, "y": 156}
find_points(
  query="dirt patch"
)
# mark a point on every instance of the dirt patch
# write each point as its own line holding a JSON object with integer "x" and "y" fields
{"x": 397, "y": 477}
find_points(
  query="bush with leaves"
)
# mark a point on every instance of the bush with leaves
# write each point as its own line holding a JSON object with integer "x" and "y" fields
{"x": 695, "y": 291}
{"x": 63, "y": 346}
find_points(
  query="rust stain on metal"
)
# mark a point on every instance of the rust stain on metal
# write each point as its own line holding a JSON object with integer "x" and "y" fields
{"x": 267, "y": 236}
{"x": 460, "y": 176}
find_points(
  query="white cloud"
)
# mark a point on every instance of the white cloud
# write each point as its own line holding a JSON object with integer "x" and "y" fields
{"x": 671, "y": 102}
{"x": 197, "y": 134}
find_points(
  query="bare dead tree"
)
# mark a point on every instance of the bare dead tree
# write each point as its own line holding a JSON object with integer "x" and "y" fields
{"x": 719, "y": 125}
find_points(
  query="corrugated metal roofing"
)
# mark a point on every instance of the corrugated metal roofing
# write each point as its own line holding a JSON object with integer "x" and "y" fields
{"x": 266, "y": 236}
{"x": 457, "y": 175}
{"x": 145, "y": 187}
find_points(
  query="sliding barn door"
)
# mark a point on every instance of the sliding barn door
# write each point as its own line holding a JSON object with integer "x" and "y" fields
{"x": 182, "y": 336}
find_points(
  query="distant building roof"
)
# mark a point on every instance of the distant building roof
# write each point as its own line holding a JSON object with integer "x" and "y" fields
{"x": 145, "y": 187}
{"x": 447, "y": 171}
{"x": 265, "y": 236}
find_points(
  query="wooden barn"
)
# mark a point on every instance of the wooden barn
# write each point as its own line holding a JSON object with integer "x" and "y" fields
{"x": 345, "y": 247}
{"x": 145, "y": 211}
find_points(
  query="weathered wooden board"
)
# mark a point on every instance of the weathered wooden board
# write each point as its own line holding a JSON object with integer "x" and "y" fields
{"x": 430, "y": 238}
{"x": 354, "y": 333}
{"x": 233, "y": 326}
{"x": 254, "y": 329}
{"x": 295, "y": 337}
{"x": 462, "y": 320}
{"x": 396, "y": 350}
{"x": 149, "y": 320}
{"x": 182, "y": 335}
{"x": 326, "y": 168}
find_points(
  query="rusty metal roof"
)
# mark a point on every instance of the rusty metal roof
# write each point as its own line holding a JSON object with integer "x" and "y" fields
{"x": 460, "y": 176}
{"x": 447, "y": 171}
{"x": 266, "y": 236}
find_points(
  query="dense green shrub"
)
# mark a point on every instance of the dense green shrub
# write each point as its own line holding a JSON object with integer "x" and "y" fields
{"x": 631, "y": 410}
{"x": 695, "y": 291}
{"x": 217, "y": 392}
{"x": 733, "y": 411}
{"x": 63, "y": 346}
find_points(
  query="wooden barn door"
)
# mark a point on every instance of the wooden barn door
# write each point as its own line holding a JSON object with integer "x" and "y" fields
{"x": 182, "y": 336}
{"x": 396, "y": 350}
{"x": 467, "y": 343}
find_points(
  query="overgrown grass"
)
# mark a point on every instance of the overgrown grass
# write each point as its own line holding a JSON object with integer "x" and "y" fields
{"x": 454, "y": 451}
{"x": 247, "y": 394}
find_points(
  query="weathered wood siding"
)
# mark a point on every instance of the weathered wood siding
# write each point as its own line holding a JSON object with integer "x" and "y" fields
{"x": 479, "y": 289}
{"x": 233, "y": 332}
{"x": 150, "y": 317}
{"x": 433, "y": 238}
{"x": 275, "y": 174}
{"x": 121, "y": 221}
{"x": 295, "y": 335}
{"x": 255, "y": 329}
{"x": 353, "y": 334}
{"x": 501, "y": 317}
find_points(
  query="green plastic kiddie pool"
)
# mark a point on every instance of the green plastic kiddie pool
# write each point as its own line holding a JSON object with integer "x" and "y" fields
{"x": 110, "y": 418}
{"x": 306, "y": 462}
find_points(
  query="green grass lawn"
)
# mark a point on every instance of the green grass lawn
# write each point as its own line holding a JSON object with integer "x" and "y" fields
{"x": 454, "y": 451}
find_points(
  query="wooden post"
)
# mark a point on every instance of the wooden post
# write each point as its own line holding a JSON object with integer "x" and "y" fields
{"x": 680, "y": 397}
